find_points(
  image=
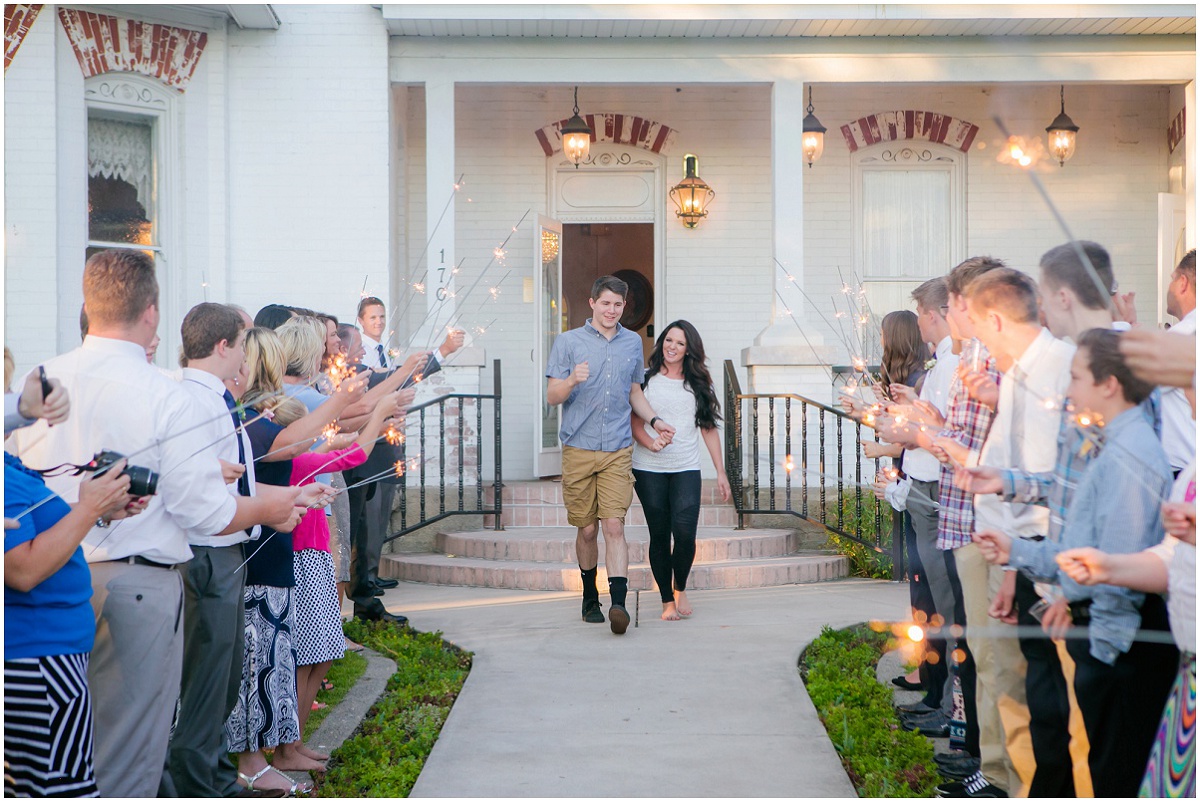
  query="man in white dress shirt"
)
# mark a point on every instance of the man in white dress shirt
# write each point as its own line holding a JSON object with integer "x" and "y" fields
{"x": 924, "y": 469}
{"x": 1178, "y": 426}
{"x": 372, "y": 319}
{"x": 125, "y": 405}
{"x": 214, "y": 580}
{"x": 1002, "y": 306}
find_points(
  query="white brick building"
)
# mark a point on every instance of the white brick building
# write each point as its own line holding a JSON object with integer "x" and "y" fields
{"x": 294, "y": 154}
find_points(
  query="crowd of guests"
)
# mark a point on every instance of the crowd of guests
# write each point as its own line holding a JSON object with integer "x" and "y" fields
{"x": 180, "y": 600}
{"x": 1044, "y": 461}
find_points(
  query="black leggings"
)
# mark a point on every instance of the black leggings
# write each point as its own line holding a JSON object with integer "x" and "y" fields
{"x": 671, "y": 502}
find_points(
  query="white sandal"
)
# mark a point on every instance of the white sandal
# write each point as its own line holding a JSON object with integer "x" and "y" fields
{"x": 296, "y": 789}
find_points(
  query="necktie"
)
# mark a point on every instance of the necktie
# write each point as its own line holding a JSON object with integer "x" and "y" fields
{"x": 382, "y": 356}
{"x": 243, "y": 483}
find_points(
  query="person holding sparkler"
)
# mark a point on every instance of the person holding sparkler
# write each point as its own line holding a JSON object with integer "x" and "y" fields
{"x": 596, "y": 373}
{"x": 1121, "y": 681}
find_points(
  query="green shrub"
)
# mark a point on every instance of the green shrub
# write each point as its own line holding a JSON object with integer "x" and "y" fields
{"x": 385, "y": 756}
{"x": 881, "y": 759}
{"x": 864, "y": 562}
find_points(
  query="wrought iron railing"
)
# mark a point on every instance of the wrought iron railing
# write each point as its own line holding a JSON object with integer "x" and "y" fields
{"x": 771, "y": 470}
{"x": 452, "y": 410}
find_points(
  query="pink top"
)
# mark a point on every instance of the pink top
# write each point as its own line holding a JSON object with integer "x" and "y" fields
{"x": 313, "y": 530}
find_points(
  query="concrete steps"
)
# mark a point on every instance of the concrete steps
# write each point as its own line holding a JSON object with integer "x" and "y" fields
{"x": 536, "y": 549}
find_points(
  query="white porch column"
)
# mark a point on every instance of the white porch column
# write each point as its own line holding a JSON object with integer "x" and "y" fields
{"x": 438, "y": 263}
{"x": 789, "y": 354}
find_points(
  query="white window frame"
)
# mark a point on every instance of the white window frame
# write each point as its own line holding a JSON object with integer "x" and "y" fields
{"x": 136, "y": 98}
{"x": 910, "y": 155}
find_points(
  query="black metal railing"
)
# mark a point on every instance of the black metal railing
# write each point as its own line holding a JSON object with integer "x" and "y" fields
{"x": 452, "y": 409}
{"x": 791, "y": 483}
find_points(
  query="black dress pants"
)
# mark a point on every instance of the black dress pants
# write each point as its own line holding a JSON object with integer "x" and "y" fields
{"x": 1122, "y": 703}
{"x": 1049, "y": 704}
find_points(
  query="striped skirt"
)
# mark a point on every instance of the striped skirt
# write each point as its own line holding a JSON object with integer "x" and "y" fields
{"x": 1171, "y": 771}
{"x": 48, "y": 727}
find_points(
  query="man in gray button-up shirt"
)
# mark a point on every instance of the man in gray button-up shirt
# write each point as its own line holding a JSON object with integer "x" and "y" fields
{"x": 596, "y": 372}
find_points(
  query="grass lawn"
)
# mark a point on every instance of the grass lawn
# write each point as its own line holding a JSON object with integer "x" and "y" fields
{"x": 385, "y": 756}
{"x": 881, "y": 759}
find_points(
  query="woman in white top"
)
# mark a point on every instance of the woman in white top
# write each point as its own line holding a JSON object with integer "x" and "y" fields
{"x": 666, "y": 471}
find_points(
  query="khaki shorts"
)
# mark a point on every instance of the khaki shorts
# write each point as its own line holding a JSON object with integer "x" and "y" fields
{"x": 596, "y": 484}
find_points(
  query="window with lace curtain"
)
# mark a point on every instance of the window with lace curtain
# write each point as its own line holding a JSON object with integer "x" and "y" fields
{"x": 909, "y": 224}
{"x": 122, "y": 207}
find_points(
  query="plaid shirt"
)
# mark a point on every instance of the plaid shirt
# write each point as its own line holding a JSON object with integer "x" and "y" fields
{"x": 967, "y": 423}
{"x": 1054, "y": 490}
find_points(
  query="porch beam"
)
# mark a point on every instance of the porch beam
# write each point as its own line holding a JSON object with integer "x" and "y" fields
{"x": 1068, "y": 59}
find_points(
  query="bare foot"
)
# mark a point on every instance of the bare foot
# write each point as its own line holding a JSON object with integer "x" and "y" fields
{"x": 288, "y": 758}
{"x": 304, "y": 750}
{"x": 682, "y": 604}
{"x": 914, "y": 676}
{"x": 669, "y": 612}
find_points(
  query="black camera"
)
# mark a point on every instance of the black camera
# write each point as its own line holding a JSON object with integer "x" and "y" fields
{"x": 142, "y": 481}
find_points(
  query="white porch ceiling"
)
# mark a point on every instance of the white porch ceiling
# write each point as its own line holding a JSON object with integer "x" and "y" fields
{"x": 690, "y": 21}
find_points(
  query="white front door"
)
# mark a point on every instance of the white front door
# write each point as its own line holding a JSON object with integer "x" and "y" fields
{"x": 1172, "y": 224}
{"x": 547, "y": 271}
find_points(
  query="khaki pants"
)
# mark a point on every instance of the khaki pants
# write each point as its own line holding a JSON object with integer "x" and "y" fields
{"x": 596, "y": 484}
{"x": 1006, "y": 751}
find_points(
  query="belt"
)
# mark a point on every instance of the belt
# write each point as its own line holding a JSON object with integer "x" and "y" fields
{"x": 136, "y": 560}
{"x": 1081, "y": 610}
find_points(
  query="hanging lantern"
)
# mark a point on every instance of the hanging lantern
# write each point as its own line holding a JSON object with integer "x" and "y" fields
{"x": 813, "y": 136}
{"x": 1061, "y": 133}
{"x": 691, "y": 195}
{"x": 576, "y": 136}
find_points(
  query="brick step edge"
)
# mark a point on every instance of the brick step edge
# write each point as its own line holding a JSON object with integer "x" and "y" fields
{"x": 438, "y": 570}
{"x": 490, "y": 546}
{"x": 546, "y": 514}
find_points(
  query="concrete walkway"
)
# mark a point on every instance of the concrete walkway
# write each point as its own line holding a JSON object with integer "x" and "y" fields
{"x": 711, "y": 706}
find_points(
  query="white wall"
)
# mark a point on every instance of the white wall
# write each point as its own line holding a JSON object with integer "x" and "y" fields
{"x": 30, "y": 191}
{"x": 308, "y": 159}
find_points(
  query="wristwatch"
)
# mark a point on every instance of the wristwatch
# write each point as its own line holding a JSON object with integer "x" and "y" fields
{"x": 652, "y": 420}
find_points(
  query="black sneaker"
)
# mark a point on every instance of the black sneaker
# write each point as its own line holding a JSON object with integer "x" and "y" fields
{"x": 959, "y": 789}
{"x": 932, "y": 726}
{"x": 618, "y": 619}
{"x": 591, "y": 611}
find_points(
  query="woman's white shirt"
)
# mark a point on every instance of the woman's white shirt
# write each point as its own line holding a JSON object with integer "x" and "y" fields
{"x": 674, "y": 403}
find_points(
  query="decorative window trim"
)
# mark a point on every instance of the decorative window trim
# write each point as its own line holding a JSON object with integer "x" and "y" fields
{"x": 18, "y": 19}
{"x": 618, "y": 129}
{"x": 104, "y": 44}
{"x": 890, "y": 126}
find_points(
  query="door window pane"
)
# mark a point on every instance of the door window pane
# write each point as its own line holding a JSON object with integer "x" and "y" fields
{"x": 906, "y": 218}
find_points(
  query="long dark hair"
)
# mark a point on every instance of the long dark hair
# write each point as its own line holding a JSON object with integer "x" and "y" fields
{"x": 695, "y": 373}
{"x": 903, "y": 349}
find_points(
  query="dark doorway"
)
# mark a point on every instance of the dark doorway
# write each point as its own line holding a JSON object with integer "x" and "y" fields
{"x": 626, "y": 250}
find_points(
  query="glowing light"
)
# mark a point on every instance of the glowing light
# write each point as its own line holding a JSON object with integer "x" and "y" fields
{"x": 394, "y": 436}
{"x": 399, "y": 467}
{"x": 788, "y": 465}
{"x": 892, "y": 474}
{"x": 330, "y": 431}
{"x": 916, "y": 634}
{"x": 419, "y": 287}
{"x": 859, "y": 364}
{"x": 498, "y": 252}
{"x": 494, "y": 291}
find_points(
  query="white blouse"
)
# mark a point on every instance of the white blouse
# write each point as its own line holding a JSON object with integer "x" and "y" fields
{"x": 675, "y": 403}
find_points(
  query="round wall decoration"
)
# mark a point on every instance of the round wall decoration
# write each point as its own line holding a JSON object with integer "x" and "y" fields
{"x": 639, "y": 304}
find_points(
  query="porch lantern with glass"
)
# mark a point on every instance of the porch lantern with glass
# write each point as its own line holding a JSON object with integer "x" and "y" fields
{"x": 576, "y": 136}
{"x": 691, "y": 195}
{"x": 1061, "y": 133}
{"x": 813, "y": 135}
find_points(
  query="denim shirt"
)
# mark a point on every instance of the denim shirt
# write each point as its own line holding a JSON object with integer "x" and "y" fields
{"x": 595, "y": 415}
{"x": 1115, "y": 508}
